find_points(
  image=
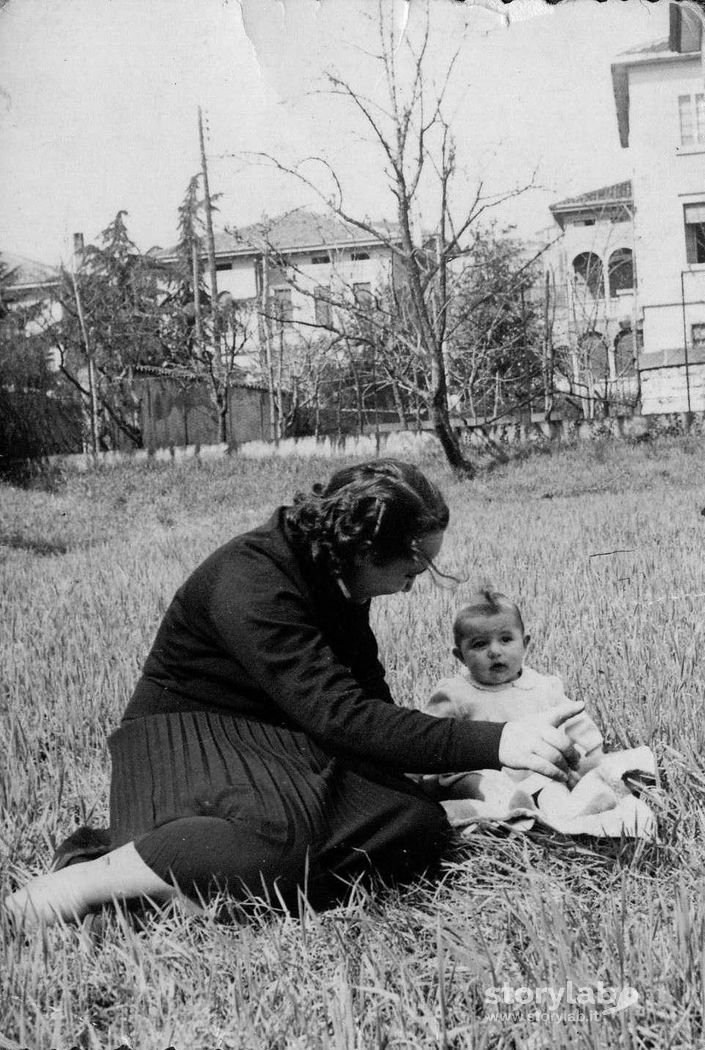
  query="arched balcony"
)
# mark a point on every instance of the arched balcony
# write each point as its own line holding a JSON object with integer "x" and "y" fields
{"x": 620, "y": 272}
{"x": 589, "y": 276}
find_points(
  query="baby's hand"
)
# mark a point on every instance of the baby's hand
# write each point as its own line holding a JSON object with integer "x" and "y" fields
{"x": 539, "y": 743}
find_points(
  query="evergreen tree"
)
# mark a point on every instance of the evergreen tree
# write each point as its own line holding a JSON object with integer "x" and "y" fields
{"x": 116, "y": 315}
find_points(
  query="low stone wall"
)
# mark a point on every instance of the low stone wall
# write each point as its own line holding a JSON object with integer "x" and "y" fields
{"x": 570, "y": 432}
{"x": 405, "y": 444}
{"x": 674, "y": 388}
{"x": 415, "y": 444}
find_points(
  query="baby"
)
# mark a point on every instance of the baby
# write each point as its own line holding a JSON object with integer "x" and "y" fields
{"x": 497, "y": 686}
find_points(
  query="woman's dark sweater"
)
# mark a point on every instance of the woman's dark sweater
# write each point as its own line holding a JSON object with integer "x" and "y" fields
{"x": 258, "y": 631}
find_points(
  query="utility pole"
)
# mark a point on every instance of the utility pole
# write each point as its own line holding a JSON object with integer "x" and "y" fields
{"x": 548, "y": 350}
{"x": 210, "y": 239}
{"x": 218, "y": 364}
{"x": 265, "y": 335}
{"x": 92, "y": 396}
{"x": 198, "y": 327}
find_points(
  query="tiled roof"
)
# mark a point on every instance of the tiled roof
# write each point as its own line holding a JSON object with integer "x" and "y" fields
{"x": 306, "y": 229}
{"x": 17, "y": 272}
{"x": 618, "y": 192}
{"x": 187, "y": 374}
{"x": 296, "y": 230}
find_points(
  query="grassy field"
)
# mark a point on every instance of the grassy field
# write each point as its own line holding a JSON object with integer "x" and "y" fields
{"x": 603, "y": 548}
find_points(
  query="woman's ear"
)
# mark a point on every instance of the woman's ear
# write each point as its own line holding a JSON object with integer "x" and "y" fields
{"x": 527, "y": 641}
{"x": 362, "y": 556}
{"x": 457, "y": 653}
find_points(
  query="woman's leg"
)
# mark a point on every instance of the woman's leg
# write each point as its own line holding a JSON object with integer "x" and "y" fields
{"x": 246, "y": 860}
{"x": 204, "y": 803}
{"x": 72, "y": 892}
{"x": 384, "y": 826}
{"x": 359, "y": 826}
{"x": 189, "y": 858}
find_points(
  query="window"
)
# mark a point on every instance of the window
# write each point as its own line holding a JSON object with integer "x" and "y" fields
{"x": 283, "y": 307}
{"x": 694, "y": 218}
{"x": 588, "y": 274}
{"x": 322, "y": 307}
{"x": 359, "y": 256}
{"x": 620, "y": 271}
{"x": 318, "y": 260}
{"x": 221, "y": 265}
{"x": 228, "y": 302}
{"x": 697, "y": 332}
{"x": 691, "y": 114}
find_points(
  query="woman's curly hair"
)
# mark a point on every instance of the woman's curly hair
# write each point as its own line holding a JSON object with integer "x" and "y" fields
{"x": 382, "y": 507}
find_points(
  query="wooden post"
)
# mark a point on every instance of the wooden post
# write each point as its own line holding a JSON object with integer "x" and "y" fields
{"x": 265, "y": 334}
{"x": 218, "y": 365}
{"x": 196, "y": 297}
{"x": 548, "y": 358}
{"x": 92, "y": 395}
{"x": 210, "y": 237}
{"x": 280, "y": 371}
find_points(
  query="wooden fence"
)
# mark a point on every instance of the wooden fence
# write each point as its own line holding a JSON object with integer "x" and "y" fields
{"x": 176, "y": 412}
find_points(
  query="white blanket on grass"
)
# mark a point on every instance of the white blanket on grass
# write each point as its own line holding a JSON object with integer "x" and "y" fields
{"x": 600, "y": 804}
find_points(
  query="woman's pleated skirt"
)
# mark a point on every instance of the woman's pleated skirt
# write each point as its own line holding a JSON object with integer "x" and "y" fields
{"x": 170, "y": 766}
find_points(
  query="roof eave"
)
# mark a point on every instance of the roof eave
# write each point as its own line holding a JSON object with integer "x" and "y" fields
{"x": 242, "y": 251}
{"x": 594, "y": 206}
{"x": 32, "y": 286}
{"x": 317, "y": 246}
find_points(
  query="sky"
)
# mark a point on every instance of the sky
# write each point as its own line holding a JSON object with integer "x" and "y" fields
{"x": 99, "y": 100}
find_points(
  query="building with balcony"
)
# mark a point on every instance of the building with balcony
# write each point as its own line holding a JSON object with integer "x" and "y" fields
{"x": 592, "y": 293}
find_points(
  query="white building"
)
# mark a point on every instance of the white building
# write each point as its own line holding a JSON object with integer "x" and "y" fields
{"x": 660, "y": 98}
{"x": 292, "y": 272}
{"x": 592, "y": 293}
{"x": 28, "y": 289}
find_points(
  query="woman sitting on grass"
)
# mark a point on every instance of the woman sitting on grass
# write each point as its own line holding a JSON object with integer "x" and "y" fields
{"x": 262, "y": 754}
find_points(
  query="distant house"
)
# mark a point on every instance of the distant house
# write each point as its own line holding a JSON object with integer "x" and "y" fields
{"x": 293, "y": 270}
{"x": 35, "y": 419}
{"x": 24, "y": 280}
{"x": 27, "y": 289}
{"x": 593, "y": 275}
{"x": 659, "y": 92}
{"x": 26, "y": 283}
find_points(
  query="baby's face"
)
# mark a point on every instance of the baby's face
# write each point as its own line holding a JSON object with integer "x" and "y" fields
{"x": 492, "y": 648}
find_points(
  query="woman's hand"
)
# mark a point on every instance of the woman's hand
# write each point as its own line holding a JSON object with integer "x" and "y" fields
{"x": 539, "y": 743}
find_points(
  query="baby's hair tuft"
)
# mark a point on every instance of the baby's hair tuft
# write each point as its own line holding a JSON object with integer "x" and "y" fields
{"x": 484, "y": 602}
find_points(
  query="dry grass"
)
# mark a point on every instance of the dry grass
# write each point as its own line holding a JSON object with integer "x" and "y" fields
{"x": 603, "y": 548}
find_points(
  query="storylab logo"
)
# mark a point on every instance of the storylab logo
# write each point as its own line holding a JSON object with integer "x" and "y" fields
{"x": 567, "y": 1002}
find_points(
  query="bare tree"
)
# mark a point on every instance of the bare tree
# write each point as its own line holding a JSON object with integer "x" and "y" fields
{"x": 496, "y": 355}
{"x": 416, "y": 144}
